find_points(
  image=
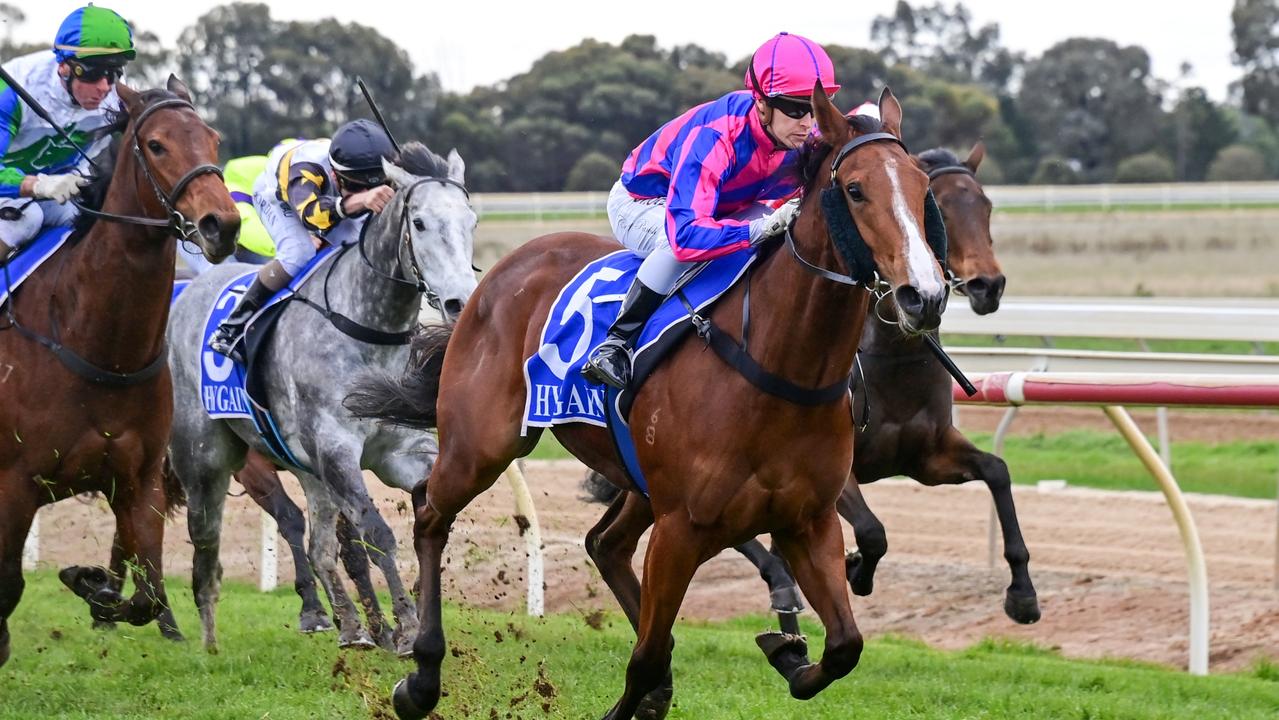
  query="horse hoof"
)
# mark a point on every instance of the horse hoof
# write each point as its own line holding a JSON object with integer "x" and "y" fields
{"x": 104, "y": 625}
{"x": 4, "y": 643}
{"x": 173, "y": 634}
{"x": 385, "y": 639}
{"x": 402, "y": 701}
{"x": 786, "y": 600}
{"x": 1023, "y": 609}
{"x": 314, "y": 622}
{"x": 656, "y": 704}
{"x": 785, "y": 652}
{"x": 357, "y": 641}
{"x": 861, "y": 582}
{"x": 84, "y": 581}
{"x": 103, "y": 605}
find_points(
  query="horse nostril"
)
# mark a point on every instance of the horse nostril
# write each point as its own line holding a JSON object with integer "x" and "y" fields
{"x": 210, "y": 227}
{"x": 453, "y": 307}
{"x": 909, "y": 300}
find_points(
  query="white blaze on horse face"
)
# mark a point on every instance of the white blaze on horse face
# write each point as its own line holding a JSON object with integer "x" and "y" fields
{"x": 921, "y": 271}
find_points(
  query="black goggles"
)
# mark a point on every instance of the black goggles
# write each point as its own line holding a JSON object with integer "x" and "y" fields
{"x": 94, "y": 73}
{"x": 359, "y": 182}
{"x": 790, "y": 107}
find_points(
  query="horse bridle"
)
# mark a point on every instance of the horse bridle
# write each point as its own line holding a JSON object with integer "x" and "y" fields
{"x": 875, "y": 284}
{"x": 956, "y": 283}
{"x": 177, "y": 223}
{"x": 406, "y": 245}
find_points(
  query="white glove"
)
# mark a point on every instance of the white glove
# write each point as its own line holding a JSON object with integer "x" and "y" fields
{"x": 58, "y": 187}
{"x": 774, "y": 223}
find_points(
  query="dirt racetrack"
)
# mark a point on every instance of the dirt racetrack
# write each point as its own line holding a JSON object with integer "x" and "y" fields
{"x": 1108, "y": 566}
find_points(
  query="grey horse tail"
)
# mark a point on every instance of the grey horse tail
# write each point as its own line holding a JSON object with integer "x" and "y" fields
{"x": 598, "y": 489}
{"x": 408, "y": 400}
{"x": 174, "y": 494}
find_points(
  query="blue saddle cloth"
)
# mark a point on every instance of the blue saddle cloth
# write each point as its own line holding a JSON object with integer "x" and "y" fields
{"x": 29, "y": 257}
{"x": 578, "y": 322}
{"x": 227, "y": 388}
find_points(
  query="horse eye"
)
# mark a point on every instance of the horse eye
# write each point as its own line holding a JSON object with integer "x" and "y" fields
{"x": 419, "y": 225}
{"x": 855, "y": 192}
{"x": 155, "y": 147}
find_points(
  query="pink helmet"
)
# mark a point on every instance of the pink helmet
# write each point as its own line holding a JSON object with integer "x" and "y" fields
{"x": 790, "y": 65}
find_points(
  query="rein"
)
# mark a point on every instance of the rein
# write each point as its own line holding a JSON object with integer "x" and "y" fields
{"x": 176, "y": 223}
{"x": 366, "y": 334}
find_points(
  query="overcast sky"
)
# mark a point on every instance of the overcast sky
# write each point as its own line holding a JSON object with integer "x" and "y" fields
{"x": 478, "y": 42}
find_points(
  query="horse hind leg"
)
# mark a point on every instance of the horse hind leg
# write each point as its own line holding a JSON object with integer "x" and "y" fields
{"x": 872, "y": 540}
{"x": 262, "y": 483}
{"x": 324, "y": 557}
{"x": 815, "y": 553}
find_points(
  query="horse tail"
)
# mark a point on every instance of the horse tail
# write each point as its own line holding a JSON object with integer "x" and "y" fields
{"x": 174, "y": 494}
{"x": 598, "y": 489}
{"x": 408, "y": 400}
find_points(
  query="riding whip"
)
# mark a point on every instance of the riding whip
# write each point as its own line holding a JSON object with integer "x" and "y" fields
{"x": 377, "y": 114}
{"x": 950, "y": 366}
{"x": 44, "y": 115}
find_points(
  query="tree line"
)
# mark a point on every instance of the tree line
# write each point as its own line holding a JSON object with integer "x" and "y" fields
{"x": 1086, "y": 110}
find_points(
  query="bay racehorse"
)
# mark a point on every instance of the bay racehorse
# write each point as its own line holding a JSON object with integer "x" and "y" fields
{"x": 904, "y": 395}
{"x": 353, "y": 316}
{"x": 97, "y": 418}
{"x": 697, "y": 423}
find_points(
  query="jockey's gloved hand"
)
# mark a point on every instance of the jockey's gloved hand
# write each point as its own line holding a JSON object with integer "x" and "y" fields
{"x": 774, "y": 223}
{"x": 371, "y": 200}
{"x": 59, "y": 188}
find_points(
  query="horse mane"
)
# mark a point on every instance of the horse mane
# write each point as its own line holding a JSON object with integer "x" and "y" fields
{"x": 934, "y": 158}
{"x": 814, "y": 151}
{"x": 417, "y": 159}
{"x": 93, "y": 195}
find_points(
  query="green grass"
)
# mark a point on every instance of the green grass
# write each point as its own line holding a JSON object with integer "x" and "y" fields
{"x": 1104, "y": 460}
{"x": 62, "y": 668}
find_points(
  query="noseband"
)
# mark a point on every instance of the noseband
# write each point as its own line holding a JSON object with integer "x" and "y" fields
{"x": 177, "y": 224}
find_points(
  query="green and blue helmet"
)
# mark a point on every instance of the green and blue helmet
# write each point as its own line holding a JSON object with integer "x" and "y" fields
{"x": 94, "y": 36}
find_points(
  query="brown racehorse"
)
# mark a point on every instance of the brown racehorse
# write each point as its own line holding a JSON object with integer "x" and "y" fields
{"x": 86, "y": 401}
{"x": 909, "y": 429}
{"x": 713, "y": 484}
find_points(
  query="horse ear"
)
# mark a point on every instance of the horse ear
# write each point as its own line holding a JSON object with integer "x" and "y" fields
{"x": 890, "y": 113}
{"x": 177, "y": 87}
{"x": 457, "y": 167}
{"x": 128, "y": 96}
{"x": 398, "y": 176}
{"x": 830, "y": 121}
{"x": 975, "y": 156}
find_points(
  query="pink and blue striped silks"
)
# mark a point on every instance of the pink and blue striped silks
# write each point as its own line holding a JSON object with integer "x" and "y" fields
{"x": 709, "y": 163}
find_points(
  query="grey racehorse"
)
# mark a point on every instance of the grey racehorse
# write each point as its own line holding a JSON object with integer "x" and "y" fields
{"x": 421, "y": 242}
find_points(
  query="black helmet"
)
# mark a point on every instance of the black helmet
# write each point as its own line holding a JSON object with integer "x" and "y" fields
{"x": 356, "y": 153}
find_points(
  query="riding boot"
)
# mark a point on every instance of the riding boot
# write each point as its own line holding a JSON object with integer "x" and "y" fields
{"x": 610, "y": 364}
{"x": 226, "y": 339}
{"x": 5, "y": 252}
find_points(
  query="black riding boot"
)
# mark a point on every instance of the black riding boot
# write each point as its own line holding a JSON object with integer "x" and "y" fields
{"x": 610, "y": 364}
{"x": 226, "y": 339}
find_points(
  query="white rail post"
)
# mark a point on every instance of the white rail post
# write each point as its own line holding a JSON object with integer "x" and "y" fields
{"x": 532, "y": 533}
{"x": 1197, "y": 570}
{"x": 1165, "y": 440}
{"x": 31, "y": 548}
{"x": 992, "y": 532}
{"x": 268, "y": 564}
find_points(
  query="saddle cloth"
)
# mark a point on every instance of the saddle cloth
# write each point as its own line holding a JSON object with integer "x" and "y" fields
{"x": 31, "y": 256}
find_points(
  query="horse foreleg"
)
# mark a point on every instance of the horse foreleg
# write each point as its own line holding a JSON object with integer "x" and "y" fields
{"x": 262, "y": 483}
{"x": 872, "y": 541}
{"x": 355, "y": 559}
{"x": 815, "y": 553}
{"x": 960, "y": 461}
{"x": 674, "y": 553}
{"x": 16, "y": 514}
{"x": 324, "y": 553}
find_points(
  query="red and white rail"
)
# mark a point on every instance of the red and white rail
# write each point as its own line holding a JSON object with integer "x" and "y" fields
{"x": 1112, "y": 392}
